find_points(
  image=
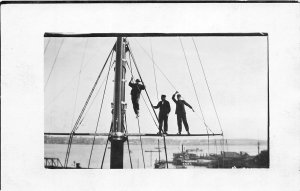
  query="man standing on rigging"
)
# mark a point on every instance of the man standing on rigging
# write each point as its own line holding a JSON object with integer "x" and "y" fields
{"x": 181, "y": 114}
{"x": 164, "y": 110}
{"x": 136, "y": 89}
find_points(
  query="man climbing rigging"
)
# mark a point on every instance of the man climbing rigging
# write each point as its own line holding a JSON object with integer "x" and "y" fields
{"x": 164, "y": 110}
{"x": 181, "y": 114}
{"x": 136, "y": 89}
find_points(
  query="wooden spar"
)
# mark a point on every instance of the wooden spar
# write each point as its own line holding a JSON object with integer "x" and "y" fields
{"x": 117, "y": 135}
{"x": 134, "y": 134}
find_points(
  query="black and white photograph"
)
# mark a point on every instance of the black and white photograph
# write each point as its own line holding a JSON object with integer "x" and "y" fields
{"x": 160, "y": 101}
{"x": 150, "y": 96}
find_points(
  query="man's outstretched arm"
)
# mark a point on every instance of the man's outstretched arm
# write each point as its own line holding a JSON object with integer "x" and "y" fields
{"x": 158, "y": 105}
{"x": 185, "y": 103}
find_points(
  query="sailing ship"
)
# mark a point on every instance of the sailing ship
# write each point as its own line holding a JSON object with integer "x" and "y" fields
{"x": 118, "y": 134}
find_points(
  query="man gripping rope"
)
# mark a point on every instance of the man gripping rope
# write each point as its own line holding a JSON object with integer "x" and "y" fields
{"x": 164, "y": 110}
{"x": 136, "y": 89}
{"x": 180, "y": 112}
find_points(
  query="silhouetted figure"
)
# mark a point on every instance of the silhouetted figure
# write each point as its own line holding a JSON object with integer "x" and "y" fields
{"x": 136, "y": 89}
{"x": 164, "y": 110}
{"x": 180, "y": 111}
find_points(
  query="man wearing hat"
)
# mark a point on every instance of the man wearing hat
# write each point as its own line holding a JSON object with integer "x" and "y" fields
{"x": 164, "y": 110}
{"x": 181, "y": 114}
{"x": 136, "y": 89}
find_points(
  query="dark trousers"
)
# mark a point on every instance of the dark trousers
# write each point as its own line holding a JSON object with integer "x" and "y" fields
{"x": 182, "y": 118}
{"x": 135, "y": 103}
{"x": 163, "y": 119}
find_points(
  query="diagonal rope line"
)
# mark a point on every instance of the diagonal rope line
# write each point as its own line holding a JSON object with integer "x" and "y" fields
{"x": 130, "y": 68}
{"x": 90, "y": 106}
{"x": 78, "y": 82}
{"x": 47, "y": 45}
{"x": 210, "y": 94}
{"x": 187, "y": 63}
{"x": 149, "y": 100}
{"x": 67, "y": 85}
{"x": 141, "y": 142}
{"x": 54, "y": 63}
{"x": 188, "y": 66}
{"x": 106, "y": 147}
{"x": 77, "y": 124}
{"x": 126, "y": 129}
{"x": 156, "y": 86}
{"x": 145, "y": 89}
{"x": 94, "y": 138}
{"x": 135, "y": 64}
{"x": 156, "y": 65}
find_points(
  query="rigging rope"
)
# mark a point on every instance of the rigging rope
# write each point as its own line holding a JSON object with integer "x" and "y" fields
{"x": 54, "y": 63}
{"x": 126, "y": 129}
{"x": 47, "y": 45}
{"x": 80, "y": 70}
{"x": 90, "y": 106}
{"x": 94, "y": 138}
{"x": 210, "y": 94}
{"x": 188, "y": 66}
{"x": 154, "y": 71}
{"x": 142, "y": 96}
{"x": 187, "y": 63}
{"x": 67, "y": 84}
{"x": 157, "y": 66}
{"x": 166, "y": 151}
{"x": 134, "y": 62}
{"x": 141, "y": 142}
{"x": 106, "y": 146}
{"x": 83, "y": 109}
{"x": 130, "y": 51}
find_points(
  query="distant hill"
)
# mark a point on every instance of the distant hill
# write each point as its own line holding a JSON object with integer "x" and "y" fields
{"x": 150, "y": 141}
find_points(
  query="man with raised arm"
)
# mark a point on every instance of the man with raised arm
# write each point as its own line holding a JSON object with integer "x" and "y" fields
{"x": 180, "y": 112}
{"x": 164, "y": 110}
{"x": 136, "y": 89}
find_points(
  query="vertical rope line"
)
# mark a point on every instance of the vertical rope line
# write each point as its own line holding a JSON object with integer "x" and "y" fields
{"x": 154, "y": 70}
{"x": 166, "y": 151}
{"x": 54, "y": 63}
{"x": 94, "y": 138}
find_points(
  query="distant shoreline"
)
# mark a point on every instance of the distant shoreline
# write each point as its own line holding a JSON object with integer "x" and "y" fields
{"x": 151, "y": 141}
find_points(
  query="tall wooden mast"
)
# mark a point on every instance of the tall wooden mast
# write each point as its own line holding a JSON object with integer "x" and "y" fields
{"x": 117, "y": 136}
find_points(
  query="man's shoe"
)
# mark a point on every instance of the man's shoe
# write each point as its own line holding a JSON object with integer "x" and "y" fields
{"x": 188, "y": 133}
{"x": 178, "y": 133}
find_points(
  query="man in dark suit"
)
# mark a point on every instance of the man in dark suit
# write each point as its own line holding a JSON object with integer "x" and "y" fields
{"x": 136, "y": 89}
{"x": 180, "y": 111}
{"x": 164, "y": 110}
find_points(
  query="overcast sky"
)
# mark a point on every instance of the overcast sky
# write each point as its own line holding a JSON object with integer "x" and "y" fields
{"x": 235, "y": 67}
